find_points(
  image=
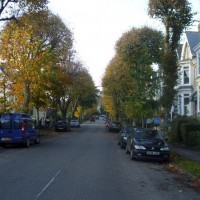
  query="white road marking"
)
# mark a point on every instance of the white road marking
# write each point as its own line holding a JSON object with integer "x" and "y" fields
{"x": 51, "y": 181}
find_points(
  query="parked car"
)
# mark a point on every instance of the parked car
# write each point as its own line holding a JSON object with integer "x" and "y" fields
{"x": 75, "y": 123}
{"x": 147, "y": 144}
{"x": 123, "y": 135}
{"x": 92, "y": 118}
{"x": 62, "y": 125}
{"x": 18, "y": 128}
{"x": 114, "y": 127}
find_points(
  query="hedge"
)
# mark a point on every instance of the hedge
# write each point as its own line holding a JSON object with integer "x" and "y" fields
{"x": 192, "y": 139}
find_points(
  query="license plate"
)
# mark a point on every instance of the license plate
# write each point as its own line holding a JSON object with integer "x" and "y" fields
{"x": 5, "y": 139}
{"x": 153, "y": 153}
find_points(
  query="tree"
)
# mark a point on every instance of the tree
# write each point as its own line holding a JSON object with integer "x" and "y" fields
{"x": 116, "y": 87}
{"x": 176, "y": 17}
{"x": 5, "y": 90}
{"x": 139, "y": 49}
{"x": 28, "y": 52}
{"x": 12, "y": 9}
{"x": 21, "y": 53}
{"x": 83, "y": 91}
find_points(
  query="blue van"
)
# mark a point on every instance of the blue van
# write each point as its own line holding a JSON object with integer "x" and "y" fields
{"x": 18, "y": 128}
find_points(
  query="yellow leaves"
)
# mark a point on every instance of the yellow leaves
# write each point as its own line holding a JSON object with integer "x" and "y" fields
{"x": 78, "y": 112}
{"x": 39, "y": 60}
{"x": 109, "y": 105}
{"x": 90, "y": 111}
{"x": 23, "y": 58}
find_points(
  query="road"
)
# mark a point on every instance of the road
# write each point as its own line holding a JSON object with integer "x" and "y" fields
{"x": 85, "y": 164}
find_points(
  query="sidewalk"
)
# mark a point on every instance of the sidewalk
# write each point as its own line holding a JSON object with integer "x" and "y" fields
{"x": 187, "y": 153}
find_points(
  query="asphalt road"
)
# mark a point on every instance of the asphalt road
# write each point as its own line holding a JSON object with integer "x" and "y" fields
{"x": 85, "y": 164}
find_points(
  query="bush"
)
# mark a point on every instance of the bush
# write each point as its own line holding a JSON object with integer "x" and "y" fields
{"x": 186, "y": 129}
{"x": 181, "y": 126}
{"x": 191, "y": 138}
{"x": 175, "y": 134}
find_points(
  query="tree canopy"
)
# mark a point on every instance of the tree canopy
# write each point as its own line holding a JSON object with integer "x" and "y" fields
{"x": 12, "y": 9}
{"x": 176, "y": 17}
{"x": 128, "y": 88}
{"x": 38, "y": 60}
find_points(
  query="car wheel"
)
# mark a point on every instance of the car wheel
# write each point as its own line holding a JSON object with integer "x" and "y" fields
{"x": 27, "y": 143}
{"x": 37, "y": 141}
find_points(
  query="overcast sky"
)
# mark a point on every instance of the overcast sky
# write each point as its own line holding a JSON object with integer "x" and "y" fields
{"x": 98, "y": 24}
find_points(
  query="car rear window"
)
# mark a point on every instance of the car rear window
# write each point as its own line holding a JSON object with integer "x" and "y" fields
{"x": 17, "y": 123}
{"x": 6, "y": 121}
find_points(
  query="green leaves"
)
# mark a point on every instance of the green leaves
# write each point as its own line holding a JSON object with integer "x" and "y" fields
{"x": 140, "y": 46}
{"x": 176, "y": 17}
{"x": 38, "y": 57}
{"x": 12, "y": 9}
{"x": 128, "y": 78}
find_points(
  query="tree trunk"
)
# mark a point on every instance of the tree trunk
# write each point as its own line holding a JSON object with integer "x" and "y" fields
{"x": 27, "y": 97}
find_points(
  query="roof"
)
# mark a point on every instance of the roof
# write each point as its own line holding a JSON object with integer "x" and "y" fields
{"x": 193, "y": 38}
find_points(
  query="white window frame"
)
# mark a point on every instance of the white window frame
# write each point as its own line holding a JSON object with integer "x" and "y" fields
{"x": 180, "y": 104}
{"x": 186, "y": 108}
{"x": 185, "y": 71}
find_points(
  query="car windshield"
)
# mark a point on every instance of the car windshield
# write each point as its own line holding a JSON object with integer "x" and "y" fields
{"x": 115, "y": 123}
{"x": 147, "y": 135}
{"x": 128, "y": 129}
{"x": 74, "y": 120}
{"x": 61, "y": 122}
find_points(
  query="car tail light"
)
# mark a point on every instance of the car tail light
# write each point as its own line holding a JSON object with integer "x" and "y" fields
{"x": 23, "y": 128}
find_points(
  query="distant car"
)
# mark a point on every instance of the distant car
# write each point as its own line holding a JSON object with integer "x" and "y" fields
{"x": 62, "y": 125}
{"x": 75, "y": 123}
{"x": 147, "y": 144}
{"x": 18, "y": 128}
{"x": 123, "y": 135}
{"x": 114, "y": 127}
{"x": 92, "y": 119}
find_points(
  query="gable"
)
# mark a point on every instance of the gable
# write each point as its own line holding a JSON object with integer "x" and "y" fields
{"x": 186, "y": 52}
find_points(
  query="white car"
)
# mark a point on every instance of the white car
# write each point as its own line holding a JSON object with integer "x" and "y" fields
{"x": 75, "y": 123}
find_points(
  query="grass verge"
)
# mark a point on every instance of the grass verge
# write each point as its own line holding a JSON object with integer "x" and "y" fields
{"x": 188, "y": 166}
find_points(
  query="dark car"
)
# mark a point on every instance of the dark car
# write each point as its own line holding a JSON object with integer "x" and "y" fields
{"x": 123, "y": 135}
{"x": 18, "y": 128}
{"x": 62, "y": 125}
{"x": 92, "y": 118}
{"x": 147, "y": 144}
{"x": 114, "y": 127}
{"x": 75, "y": 123}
